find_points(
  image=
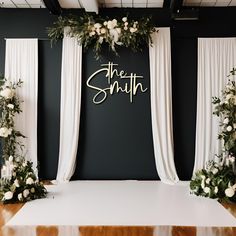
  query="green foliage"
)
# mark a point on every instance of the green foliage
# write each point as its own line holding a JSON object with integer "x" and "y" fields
{"x": 94, "y": 31}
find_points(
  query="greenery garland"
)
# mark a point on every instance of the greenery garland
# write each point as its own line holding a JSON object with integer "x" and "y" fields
{"x": 218, "y": 180}
{"x": 18, "y": 181}
{"x": 94, "y": 30}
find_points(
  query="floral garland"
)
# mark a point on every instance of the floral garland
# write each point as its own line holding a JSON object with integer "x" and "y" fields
{"x": 18, "y": 181}
{"x": 90, "y": 30}
{"x": 218, "y": 180}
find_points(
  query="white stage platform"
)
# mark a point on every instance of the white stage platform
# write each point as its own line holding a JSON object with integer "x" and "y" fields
{"x": 122, "y": 203}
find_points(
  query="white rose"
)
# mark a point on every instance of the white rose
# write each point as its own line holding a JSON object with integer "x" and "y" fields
{"x": 124, "y": 19}
{"x": 214, "y": 171}
{"x": 126, "y": 23}
{"x": 26, "y": 193}
{"x": 103, "y": 30}
{"x": 92, "y": 33}
{"x": 208, "y": 180}
{"x": 97, "y": 25}
{"x": 32, "y": 190}
{"x": 10, "y": 106}
{"x": 206, "y": 189}
{"x": 98, "y": 31}
{"x": 229, "y": 192}
{"x": 8, "y": 195}
{"x": 7, "y": 93}
{"x": 16, "y": 183}
{"x": 110, "y": 25}
{"x": 226, "y": 121}
{"x": 100, "y": 40}
{"x": 229, "y": 128}
{"x": 216, "y": 190}
{"x": 203, "y": 176}
{"x": 114, "y": 22}
{"x": 4, "y": 132}
{"x": 118, "y": 30}
{"x": 229, "y": 96}
{"x": 132, "y": 30}
{"x": 105, "y": 23}
{"x": 125, "y": 28}
{"x": 29, "y": 181}
{"x": 10, "y": 158}
{"x": 20, "y": 197}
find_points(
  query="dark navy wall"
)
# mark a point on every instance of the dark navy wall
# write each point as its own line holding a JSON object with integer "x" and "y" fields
{"x": 115, "y": 137}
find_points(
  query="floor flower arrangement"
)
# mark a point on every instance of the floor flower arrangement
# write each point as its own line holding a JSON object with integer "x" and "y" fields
{"x": 18, "y": 182}
{"x": 218, "y": 179}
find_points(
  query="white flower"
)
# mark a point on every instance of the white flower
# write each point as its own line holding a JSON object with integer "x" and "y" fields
{"x": 8, "y": 195}
{"x": 126, "y": 23}
{"x": 124, "y": 19}
{"x": 216, "y": 190}
{"x": 24, "y": 164}
{"x": 19, "y": 196}
{"x": 229, "y": 128}
{"x": 26, "y": 193}
{"x": 206, "y": 189}
{"x": 229, "y": 192}
{"x": 32, "y": 190}
{"x": 105, "y": 23}
{"x": 234, "y": 186}
{"x": 114, "y": 22}
{"x": 214, "y": 171}
{"x": 208, "y": 180}
{"x": 203, "y": 184}
{"x": 10, "y": 106}
{"x": 125, "y": 28}
{"x": 103, "y": 30}
{"x": 92, "y": 33}
{"x": 118, "y": 30}
{"x": 4, "y": 132}
{"x": 132, "y": 30}
{"x": 16, "y": 183}
{"x": 97, "y": 25}
{"x": 10, "y": 158}
{"x": 29, "y": 181}
{"x": 203, "y": 176}
{"x": 229, "y": 96}
{"x": 232, "y": 159}
{"x": 226, "y": 120}
{"x": 100, "y": 40}
{"x": 7, "y": 93}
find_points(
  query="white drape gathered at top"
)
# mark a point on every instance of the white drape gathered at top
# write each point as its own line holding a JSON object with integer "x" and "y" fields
{"x": 161, "y": 105}
{"x": 216, "y": 58}
{"x": 71, "y": 74}
{"x": 21, "y": 62}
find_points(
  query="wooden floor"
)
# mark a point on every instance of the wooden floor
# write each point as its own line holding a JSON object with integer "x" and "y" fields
{"x": 8, "y": 211}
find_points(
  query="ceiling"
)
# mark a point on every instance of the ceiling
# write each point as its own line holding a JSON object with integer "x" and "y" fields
{"x": 114, "y": 3}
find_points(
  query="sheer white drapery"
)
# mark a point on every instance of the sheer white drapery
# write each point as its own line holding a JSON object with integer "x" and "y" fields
{"x": 21, "y": 62}
{"x": 161, "y": 105}
{"x": 70, "y": 107}
{"x": 216, "y": 57}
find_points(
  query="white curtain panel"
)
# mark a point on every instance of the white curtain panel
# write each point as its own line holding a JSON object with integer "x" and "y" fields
{"x": 161, "y": 105}
{"x": 71, "y": 73}
{"x": 216, "y": 57}
{"x": 21, "y": 62}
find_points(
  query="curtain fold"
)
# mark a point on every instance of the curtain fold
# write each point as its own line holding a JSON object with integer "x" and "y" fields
{"x": 21, "y": 62}
{"x": 216, "y": 57}
{"x": 70, "y": 107}
{"x": 161, "y": 105}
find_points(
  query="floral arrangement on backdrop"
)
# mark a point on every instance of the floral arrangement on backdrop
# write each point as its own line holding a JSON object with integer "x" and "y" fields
{"x": 218, "y": 180}
{"x": 94, "y": 30}
{"x": 18, "y": 181}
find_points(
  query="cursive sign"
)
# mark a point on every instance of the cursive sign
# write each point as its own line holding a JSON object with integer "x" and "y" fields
{"x": 130, "y": 87}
